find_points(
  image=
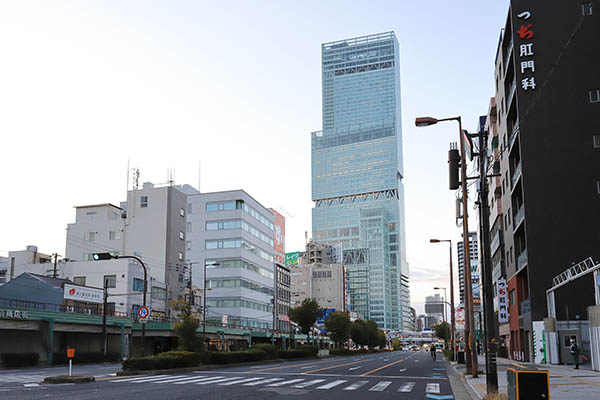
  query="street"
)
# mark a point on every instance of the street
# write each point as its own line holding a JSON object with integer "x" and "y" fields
{"x": 398, "y": 375}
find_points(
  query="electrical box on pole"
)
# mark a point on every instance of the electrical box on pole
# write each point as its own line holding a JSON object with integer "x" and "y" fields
{"x": 453, "y": 164}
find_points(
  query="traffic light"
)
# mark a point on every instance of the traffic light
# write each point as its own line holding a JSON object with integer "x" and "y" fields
{"x": 453, "y": 162}
{"x": 101, "y": 256}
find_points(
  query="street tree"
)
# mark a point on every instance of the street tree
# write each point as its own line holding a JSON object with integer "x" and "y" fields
{"x": 337, "y": 325}
{"x": 305, "y": 315}
{"x": 442, "y": 331}
{"x": 359, "y": 332}
{"x": 186, "y": 328}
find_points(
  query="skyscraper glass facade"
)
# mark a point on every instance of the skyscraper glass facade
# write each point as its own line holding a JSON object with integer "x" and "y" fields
{"x": 357, "y": 174}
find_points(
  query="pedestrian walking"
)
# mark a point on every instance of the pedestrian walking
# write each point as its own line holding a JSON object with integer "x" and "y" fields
{"x": 575, "y": 350}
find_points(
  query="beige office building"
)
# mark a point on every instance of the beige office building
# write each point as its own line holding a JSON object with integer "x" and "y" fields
{"x": 323, "y": 282}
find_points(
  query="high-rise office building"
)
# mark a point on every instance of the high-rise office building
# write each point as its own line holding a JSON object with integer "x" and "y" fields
{"x": 357, "y": 174}
{"x": 475, "y": 278}
{"x": 547, "y": 103}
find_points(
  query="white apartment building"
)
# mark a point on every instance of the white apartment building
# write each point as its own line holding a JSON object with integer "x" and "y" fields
{"x": 20, "y": 261}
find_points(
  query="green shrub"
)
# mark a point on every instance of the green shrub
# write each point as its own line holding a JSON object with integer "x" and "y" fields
{"x": 19, "y": 359}
{"x": 448, "y": 353}
{"x": 287, "y": 354}
{"x": 60, "y": 358}
{"x": 314, "y": 350}
{"x": 270, "y": 349}
{"x": 234, "y": 356}
{"x": 168, "y": 360}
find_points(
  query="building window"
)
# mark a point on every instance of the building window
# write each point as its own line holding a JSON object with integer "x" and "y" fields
{"x": 180, "y": 256}
{"x": 159, "y": 293}
{"x": 586, "y": 8}
{"x": 89, "y": 236}
{"x": 114, "y": 235}
{"x": 188, "y": 227}
{"x": 595, "y": 96}
{"x": 110, "y": 281}
{"x": 138, "y": 285}
{"x": 512, "y": 299}
{"x": 188, "y": 245}
{"x": 144, "y": 201}
{"x": 79, "y": 280}
{"x": 596, "y": 141}
{"x": 181, "y": 235}
{"x": 189, "y": 208}
{"x": 182, "y": 212}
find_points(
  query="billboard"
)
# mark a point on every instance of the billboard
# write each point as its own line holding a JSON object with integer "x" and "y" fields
{"x": 323, "y": 317}
{"x": 460, "y": 318}
{"x": 83, "y": 293}
{"x": 292, "y": 258}
{"x": 279, "y": 237}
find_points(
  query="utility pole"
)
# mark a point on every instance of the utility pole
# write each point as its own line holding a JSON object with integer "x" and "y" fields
{"x": 491, "y": 336}
{"x": 104, "y": 335}
{"x": 55, "y": 269}
{"x": 190, "y": 294}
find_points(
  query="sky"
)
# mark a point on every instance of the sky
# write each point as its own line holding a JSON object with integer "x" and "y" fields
{"x": 224, "y": 94}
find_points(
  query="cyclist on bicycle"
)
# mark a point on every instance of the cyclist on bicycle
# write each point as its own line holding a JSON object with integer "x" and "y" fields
{"x": 433, "y": 352}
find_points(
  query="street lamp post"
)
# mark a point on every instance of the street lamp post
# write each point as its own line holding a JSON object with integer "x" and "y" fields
{"x": 445, "y": 298}
{"x": 471, "y": 355}
{"x": 453, "y": 315}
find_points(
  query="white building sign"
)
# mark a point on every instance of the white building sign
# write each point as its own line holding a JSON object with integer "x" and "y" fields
{"x": 14, "y": 314}
{"x": 83, "y": 293}
{"x": 502, "y": 301}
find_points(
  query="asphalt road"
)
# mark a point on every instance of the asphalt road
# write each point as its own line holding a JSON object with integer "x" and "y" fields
{"x": 397, "y": 375}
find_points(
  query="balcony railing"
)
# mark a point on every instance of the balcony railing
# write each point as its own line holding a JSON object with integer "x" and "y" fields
{"x": 516, "y": 174}
{"x": 496, "y": 242}
{"x": 511, "y": 93}
{"x": 508, "y": 53}
{"x": 513, "y": 134}
{"x": 522, "y": 259}
{"x": 518, "y": 217}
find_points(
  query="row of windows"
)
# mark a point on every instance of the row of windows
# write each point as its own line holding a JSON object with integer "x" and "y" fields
{"x": 239, "y": 205}
{"x": 235, "y": 283}
{"x": 321, "y": 274}
{"x": 236, "y": 244}
{"x": 114, "y": 234}
{"x": 237, "y": 224}
{"x": 238, "y": 303}
{"x": 239, "y": 264}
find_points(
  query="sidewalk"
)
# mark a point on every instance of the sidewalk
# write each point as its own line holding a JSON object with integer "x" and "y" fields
{"x": 565, "y": 381}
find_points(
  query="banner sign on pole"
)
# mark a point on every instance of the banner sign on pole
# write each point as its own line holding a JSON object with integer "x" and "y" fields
{"x": 502, "y": 301}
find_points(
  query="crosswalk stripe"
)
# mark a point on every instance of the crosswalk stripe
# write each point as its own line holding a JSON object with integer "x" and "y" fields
{"x": 263, "y": 381}
{"x": 380, "y": 386}
{"x": 432, "y": 388}
{"x": 309, "y": 383}
{"x": 187, "y": 378}
{"x": 154, "y": 380}
{"x": 137, "y": 378}
{"x": 406, "y": 387}
{"x": 285, "y": 383}
{"x": 198, "y": 380}
{"x": 332, "y": 384}
{"x": 355, "y": 385}
{"x": 240, "y": 381}
{"x": 219, "y": 380}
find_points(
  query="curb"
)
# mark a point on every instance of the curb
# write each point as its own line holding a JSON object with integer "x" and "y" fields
{"x": 460, "y": 377}
{"x": 60, "y": 379}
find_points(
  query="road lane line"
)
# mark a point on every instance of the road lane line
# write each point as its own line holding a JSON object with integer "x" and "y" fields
{"x": 310, "y": 366}
{"x": 380, "y": 368}
{"x": 355, "y": 385}
{"x": 219, "y": 380}
{"x": 432, "y": 388}
{"x": 279, "y": 367}
{"x": 406, "y": 387}
{"x": 334, "y": 366}
{"x": 332, "y": 384}
{"x": 285, "y": 382}
{"x": 309, "y": 383}
{"x": 263, "y": 381}
{"x": 198, "y": 380}
{"x": 239, "y": 381}
{"x": 138, "y": 377}
{"x": 380, "y": 387}
{"x": 354, "y": 368}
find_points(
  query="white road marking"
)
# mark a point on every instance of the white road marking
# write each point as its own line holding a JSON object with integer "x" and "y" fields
{"x": 263, "y": 381}
{"x": 31, "y": 384}
{"x": 402, "y": 369}
{"x": 285, "y": 382}
{"x": 137, "y": 378}
{"x": 187, "y": 378}
{"x": 198, "y": 380}
{"x": 332, "y": 384}
{"x": 432, "y": 388}
{"x": 354, "y": 368}
{"x": 309, "y": 383}
{"x": 380, "y": 386}
{"x": 219, "y": 380}
{"x": 310, "y": 366}
{"x": 406, "y": 387}
{"x": 356, "y": 385}
{"x": 239, "y": 381}
{"x": 158, "y": 379}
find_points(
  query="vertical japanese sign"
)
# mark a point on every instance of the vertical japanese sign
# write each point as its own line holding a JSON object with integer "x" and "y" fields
{"x": 502, "y": 301}
{"x": 279, "y": 237}
{"x": 526, "y": 62}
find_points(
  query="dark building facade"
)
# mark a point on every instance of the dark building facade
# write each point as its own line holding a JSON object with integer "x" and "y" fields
{"x": 546, "y": 138}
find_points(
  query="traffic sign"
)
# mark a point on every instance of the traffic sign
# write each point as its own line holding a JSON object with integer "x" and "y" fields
{"x": 143, "y": 314}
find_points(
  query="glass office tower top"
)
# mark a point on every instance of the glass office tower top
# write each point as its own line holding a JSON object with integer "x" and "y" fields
{"x": 357, "y": 174}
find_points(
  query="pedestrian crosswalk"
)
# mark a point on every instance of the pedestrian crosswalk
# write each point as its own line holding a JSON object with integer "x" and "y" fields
{"x": 21, "y": 378}
{"x": 303, "y": 382}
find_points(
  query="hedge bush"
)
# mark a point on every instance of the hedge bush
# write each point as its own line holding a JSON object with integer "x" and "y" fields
{"x": 59, "y": 358}
{"x": 19, "y": 359}
{"x": 234, "y": 356}
{"x": 287, "y": 354}
{"x": 168, "y": 360}
{"x": 270, "y": 349}
{"x": 314, "y": 350}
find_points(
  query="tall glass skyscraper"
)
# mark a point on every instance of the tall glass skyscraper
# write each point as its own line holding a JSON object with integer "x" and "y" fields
{"x": 357, "y": 174}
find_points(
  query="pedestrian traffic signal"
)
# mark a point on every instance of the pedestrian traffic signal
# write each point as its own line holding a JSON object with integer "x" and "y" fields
{"x": 453, "y": 162}
{"x": 101, "y": 256}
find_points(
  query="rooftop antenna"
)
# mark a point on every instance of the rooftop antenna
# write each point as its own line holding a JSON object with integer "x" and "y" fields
{"x": 199, "y": 173}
